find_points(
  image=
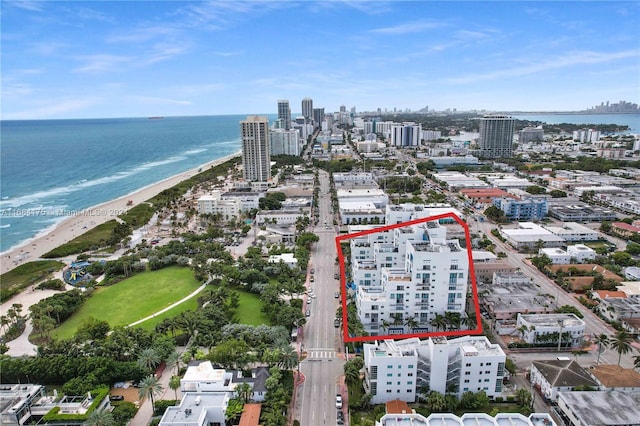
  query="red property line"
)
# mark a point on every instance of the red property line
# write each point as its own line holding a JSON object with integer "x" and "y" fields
{"x": 343, "y": 283}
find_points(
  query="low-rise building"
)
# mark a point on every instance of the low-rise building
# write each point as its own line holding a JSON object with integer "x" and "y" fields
{"x": 618, "y": 308}
{"x": 214, "y": 204}
{"x": 580, "y": 212}
{"x": 581, "y": 253}
{"x": 560, "y": 375}
{"x": 556, "y": 255}
{"x": 485, "y": 270}
{"x": 614, "y": 377}
{"x": 411, "y": 418}
{"x": 279, "y": 217}
{"x": 511, "y": 294}
{"x": 545, "y": 328}
{"x": 287, "y": 258}
{"x": 528, "y": 209}
{"x": 572, "y": 231}
{"x": 602, "y": 408}
{"x": 527, "y": 235}
{"x": 396, "y": 369}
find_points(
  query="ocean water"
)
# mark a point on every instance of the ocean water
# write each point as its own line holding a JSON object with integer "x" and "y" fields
{"x": 51, "y": 167}
{"x": 631, "y": 120}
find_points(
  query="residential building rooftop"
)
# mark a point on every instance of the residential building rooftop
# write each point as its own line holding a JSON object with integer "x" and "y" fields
{"x": 564, "y": 373}
{"x": 603, "y": 408}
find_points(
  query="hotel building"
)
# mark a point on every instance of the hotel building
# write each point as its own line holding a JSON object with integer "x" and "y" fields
{"x": 307, "y": 109}
{"x": 256, "y": 152}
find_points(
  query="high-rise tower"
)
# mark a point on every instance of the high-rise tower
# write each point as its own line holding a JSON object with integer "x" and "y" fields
{"x": 256, "y": 152}
{"x": 284, "y": 113}
{"x": 496, "y": 136}
{"x": 307, "y": 108}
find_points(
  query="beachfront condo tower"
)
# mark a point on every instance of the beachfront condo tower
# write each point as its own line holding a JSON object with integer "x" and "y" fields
{"x": 496, "y": 136}
{"x": 284, "y": 114}
{"x": 307, "y": 109}
{"x": 256, "y": 152}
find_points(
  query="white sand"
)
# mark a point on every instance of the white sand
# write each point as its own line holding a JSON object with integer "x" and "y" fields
{"x": 80, "y": 223}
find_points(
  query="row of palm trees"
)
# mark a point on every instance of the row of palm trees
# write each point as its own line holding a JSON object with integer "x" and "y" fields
{"x": 448, "y": 321}
{"x": 620, "y": 342}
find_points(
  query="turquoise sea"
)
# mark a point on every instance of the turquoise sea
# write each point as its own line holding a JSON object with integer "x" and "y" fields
{"x": 51, "y": 167}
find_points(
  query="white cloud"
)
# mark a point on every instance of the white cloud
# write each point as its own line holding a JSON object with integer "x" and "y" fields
{"x": 159, "y": 101}
{"x": 52, "y": 109}
{"x": 408, "y": 27}
{"x": 35, "y": 6}
{"x": 569, "y": 60}
{"x": 102, "y": 63}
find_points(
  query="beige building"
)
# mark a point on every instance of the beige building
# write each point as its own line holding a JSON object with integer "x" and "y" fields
{"x": 256, "y": 150}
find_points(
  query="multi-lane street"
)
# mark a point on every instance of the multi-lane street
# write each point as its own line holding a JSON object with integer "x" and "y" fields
{"x": 321, "y": 344}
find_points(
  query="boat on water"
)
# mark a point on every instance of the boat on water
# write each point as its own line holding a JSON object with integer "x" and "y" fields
{"x": 156, "y": 118}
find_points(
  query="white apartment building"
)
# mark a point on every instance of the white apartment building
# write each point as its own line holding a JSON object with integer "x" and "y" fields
{"x": 216, "y": 204}
{"x": 581, "y": 253}
{"x": 404, "y": 277}
{"x": 284, "y": 142}
{"x": 406, "y": 134}
{"x": 537, "y": 325}
{"x": 573, "y": 231}
{"x": 556, "y": 255}
{"x": 398, "y": 369}
{"x": 431, "y": 135}
{"x": 373, "y": 195}
{"x": 279, "y": 217}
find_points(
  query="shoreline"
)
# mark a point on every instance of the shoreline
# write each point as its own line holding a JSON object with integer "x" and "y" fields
{"x": 82, "y": 221}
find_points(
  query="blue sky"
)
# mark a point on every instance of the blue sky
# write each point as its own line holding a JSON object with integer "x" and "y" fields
{"x": 65, "y": 59}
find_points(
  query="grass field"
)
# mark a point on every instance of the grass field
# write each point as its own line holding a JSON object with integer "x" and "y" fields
{"x": 14, "y": 281}
{"x": 133, "y": 299}
{"x": 249, "y": 310}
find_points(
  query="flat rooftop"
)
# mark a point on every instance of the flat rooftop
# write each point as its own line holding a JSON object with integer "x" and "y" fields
{"x": 552, "y": 320}
{"x": 604, "y": 408}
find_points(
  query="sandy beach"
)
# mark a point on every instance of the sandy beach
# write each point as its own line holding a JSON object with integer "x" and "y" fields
{"x": 80, "y": 222}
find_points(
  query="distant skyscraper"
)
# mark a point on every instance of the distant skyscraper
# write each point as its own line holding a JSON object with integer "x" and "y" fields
{"x": 343, "y": 108}
{"x": 307, "y": 108}
{"x": 284, "y": 113}
{"x": 256, "y": 152}
{"x": 496, "y": 136}
{"x": 318, "y": 116}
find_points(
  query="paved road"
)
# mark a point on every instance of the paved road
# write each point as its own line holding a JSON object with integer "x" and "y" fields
{"x": 323, "y": 366}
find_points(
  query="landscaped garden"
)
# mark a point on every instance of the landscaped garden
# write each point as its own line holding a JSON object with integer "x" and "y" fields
{"x": 134, "y": 298}
{"x": 16, "y": 280}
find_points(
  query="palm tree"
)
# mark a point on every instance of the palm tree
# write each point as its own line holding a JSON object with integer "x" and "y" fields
{"x": 99, "y": 418}
{"x": 351, "y": 374}
{"x": 244, "y": 392}
{"x": 603, "y": 342}
{"x": 149, "y": 386}
{"x": 411, "y": 323}
{"x": 621, "y": 343}
{"x": 288, "y": 358}
{"x": 439, "y": 322}
{"x": 173, "y": 360}
{"x": 149, "y": 359}
{"x": 636, "y": 361}
{"x": 174, "y": 384}
{"x": 436, "y": 402}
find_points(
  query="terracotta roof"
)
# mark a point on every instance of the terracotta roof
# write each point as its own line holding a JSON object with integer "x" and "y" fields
{"x": 625, "y": 226}
{"x": 398, "y": 407}
{"x": 603, "y": 294}
{"x": 564, "y": 373}
{"x": 250, "y": 415}
{"x": 613, "y": 376}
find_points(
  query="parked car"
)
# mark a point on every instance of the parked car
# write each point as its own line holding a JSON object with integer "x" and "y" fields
{"x": 336, "y": 323}
{"x": 116, "y": 398}
{"x": 336, "y": 295}
{"x": 339, "y": 401}
{"x": 308, "y": 313}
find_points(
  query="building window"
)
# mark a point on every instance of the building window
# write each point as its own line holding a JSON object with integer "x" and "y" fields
{"x": 466, "y": 380}
{"x": 389, "y": 383}
{"x": 469, "y": 364}
{"x": 409, "y": 390}
{"x": 388, "y": 390}
{"x": 467, "y": 373}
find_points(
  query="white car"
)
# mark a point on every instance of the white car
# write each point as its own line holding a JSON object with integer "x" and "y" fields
{"x": 338, "y": 401}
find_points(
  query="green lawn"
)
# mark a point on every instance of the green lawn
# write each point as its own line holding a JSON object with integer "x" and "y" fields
{"x": 133, "y": 299}
{"x": 250, "y": 309}
{"x": 17, "y": 279}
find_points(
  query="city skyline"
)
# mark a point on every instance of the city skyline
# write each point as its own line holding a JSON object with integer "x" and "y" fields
{"x": 128, "y": 59}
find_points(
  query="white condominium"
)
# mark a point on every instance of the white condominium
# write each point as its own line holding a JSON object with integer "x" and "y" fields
{"x": 406, "y": 134}
{"x": 408, "y": 277}
{"x": 496, "y": 136}
{"x": 284, "y": 142}
{"x": 256, "y": 152}
{"x": 399, "y": 369}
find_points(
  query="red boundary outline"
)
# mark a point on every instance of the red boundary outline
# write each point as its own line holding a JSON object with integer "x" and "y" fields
{"x": 343, "y": 284}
